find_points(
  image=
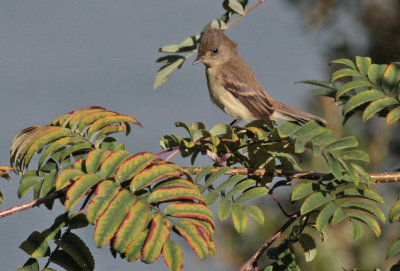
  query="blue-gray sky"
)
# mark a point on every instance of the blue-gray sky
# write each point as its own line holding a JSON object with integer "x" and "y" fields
{"x": 56, "y": 56}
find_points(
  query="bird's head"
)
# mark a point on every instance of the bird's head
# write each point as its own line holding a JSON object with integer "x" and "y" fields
{"x": 215, "y": 48}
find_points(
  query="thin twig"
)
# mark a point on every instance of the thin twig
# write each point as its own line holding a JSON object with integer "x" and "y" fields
{"x": 172, "y": 154}
{"x": 295, "y": 174}
{"x": 32, "y": 203}
{"x": 279, "y": 205}
{"x": 252, "y": 262}
{"x": 245, "y": 13}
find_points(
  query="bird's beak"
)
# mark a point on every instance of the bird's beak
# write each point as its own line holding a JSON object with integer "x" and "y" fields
{"x": 198, "y": 60}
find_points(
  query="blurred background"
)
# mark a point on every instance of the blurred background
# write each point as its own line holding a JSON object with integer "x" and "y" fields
{"x": 57, "y": 56}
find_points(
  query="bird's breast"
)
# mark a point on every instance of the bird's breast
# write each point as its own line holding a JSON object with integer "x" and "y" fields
{"x": 224, "y": 99}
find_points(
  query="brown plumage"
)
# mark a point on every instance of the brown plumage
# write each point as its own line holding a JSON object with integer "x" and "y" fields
{"x": 234, "y": 87}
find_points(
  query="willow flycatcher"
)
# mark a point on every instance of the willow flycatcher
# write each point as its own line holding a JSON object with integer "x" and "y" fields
{"x": 234, "y": 87}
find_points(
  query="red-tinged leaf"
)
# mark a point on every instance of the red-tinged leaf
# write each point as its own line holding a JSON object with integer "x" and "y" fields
{"x": 204, "y": 225}
{"x": 133, "y": 165}
{"x": 113, "y": 161}
{"x": 67, "y": 176}
{"x": 135, "y": 247}
{"x": 194, "y": 237}
{"x": 58, "y": 145}
{"x": 110, "y": 220}
{"x": 174, "y": 192}
{"x": 153, "y": 174}
{"x": 190, "y": 210}
{"x": 36, "y": 245}
{"x": 393, "y": 116}
{"x": 105, "y": 121}
{"x": 79, "y": 189}
{"x": 103, "y": 195}
{"x": 134, "y": 223}
{"x": 159, "y": 233}
{"x": 79, "y": 164}
{"x": 66, "y": 118}
{"x": 106, "y": 132}
{"x": 84, "y": 122}
{"x": 176, "y": 182}
{"x": 211, "y": 245}
{"x": 4, "y": 170}
{"x": 76, "y": 148}
{"x": 77, "y": 249}
{"x": 173, "y": 255}
{"x": 94, "y": 160}
{"x": 41, "y": 137}
{"x": 391, "y": 77}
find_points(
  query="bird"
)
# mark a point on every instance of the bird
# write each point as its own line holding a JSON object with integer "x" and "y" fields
{"x": 234, "y": 87}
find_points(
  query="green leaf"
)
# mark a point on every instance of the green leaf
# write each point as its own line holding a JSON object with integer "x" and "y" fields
{"x": 190, "y": 210}
{"x": 224, "y": 209}
{"x": 165, "y": 71}
{"x": 239, "y": 218}
{"x": 366, "y": 193}
{"x": 79, "y": 189}
{"x": 334, "y": 165}
{"x": 133, "y": 224}
{"x": 212, "y": 178}
{"x": 110, "y": 220}
{"x": 308, "y": 131}
{"x": 255, "y": 213}
{"x": 363, "y": 64}
{"x": 364, "y": 206}
{"x": 77, "y": 249}
{"x": 222, "y": 129}
{"x": 375, "y": 73}
{"x": 372, "y": 223}
{"x": 203, "y": 173}
{"x": 362, "y": 98}
{"x": 343, "y": 73}
{"x": 94, "y": 160}
{"x": 240, "y": 187}
{"x": 105, "y": 192}
{"x": 195, "y": 240}
{"x": 391, "y": 77}
{"x": 63, "y": 259}
{"x": 135, "y": 247}
{"x": 251, "y": 194}
{"x": 338, "y": 216}
{"x": 173, "y": 255}
{"x": 36, "y": 245}
{"x": 25, "y": 186}
{"x": 177, "y": 193}
{"x": 303, "y": 189}
{"x": 393, "y": 116}
{"x": 309, "y": 247}
{"x": 30, "y": 265}
{"x": 394, "y": 213}
{"x": 343, "y": 143}
{"x": 355, "y": 155}
{"x": 357, "y": 229}
{"x": 211, "y": 198}
{"x": 324, "y": 216}
{"x": 350, "y": 86}
{"x": 153, "y": 174}
{"x": 112, "y": 163}
{"x": 159, "y": 233}
{"x": 376, "y": 106}
{"x": 230, "y": 181}
{"x": 346, "y": 62}
{"x": 314, "y": 201}
{"x": 287, "y": 128}
{"x": 393, "y": 249}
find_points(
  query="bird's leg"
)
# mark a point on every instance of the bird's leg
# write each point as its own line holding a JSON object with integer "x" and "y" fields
{"x": 234, "y": 122}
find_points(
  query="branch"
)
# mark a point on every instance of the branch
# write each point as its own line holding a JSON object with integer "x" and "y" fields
{"x": 252, "y": 262}
{"x": 33, "y": 203}
{"x": 245, "y": 13}
{"x": 309, "y": 175}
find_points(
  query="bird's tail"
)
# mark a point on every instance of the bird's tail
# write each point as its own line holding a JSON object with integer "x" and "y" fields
{"x": 286, "y": 112}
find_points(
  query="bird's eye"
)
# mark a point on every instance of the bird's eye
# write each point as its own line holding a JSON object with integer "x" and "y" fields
{"x": 215, "y": 51}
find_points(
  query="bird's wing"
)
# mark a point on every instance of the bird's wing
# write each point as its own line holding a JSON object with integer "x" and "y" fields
{"x": 248, "y": 90}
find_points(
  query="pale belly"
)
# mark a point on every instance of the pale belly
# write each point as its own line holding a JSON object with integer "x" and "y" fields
{"x": 226, "y": 101}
